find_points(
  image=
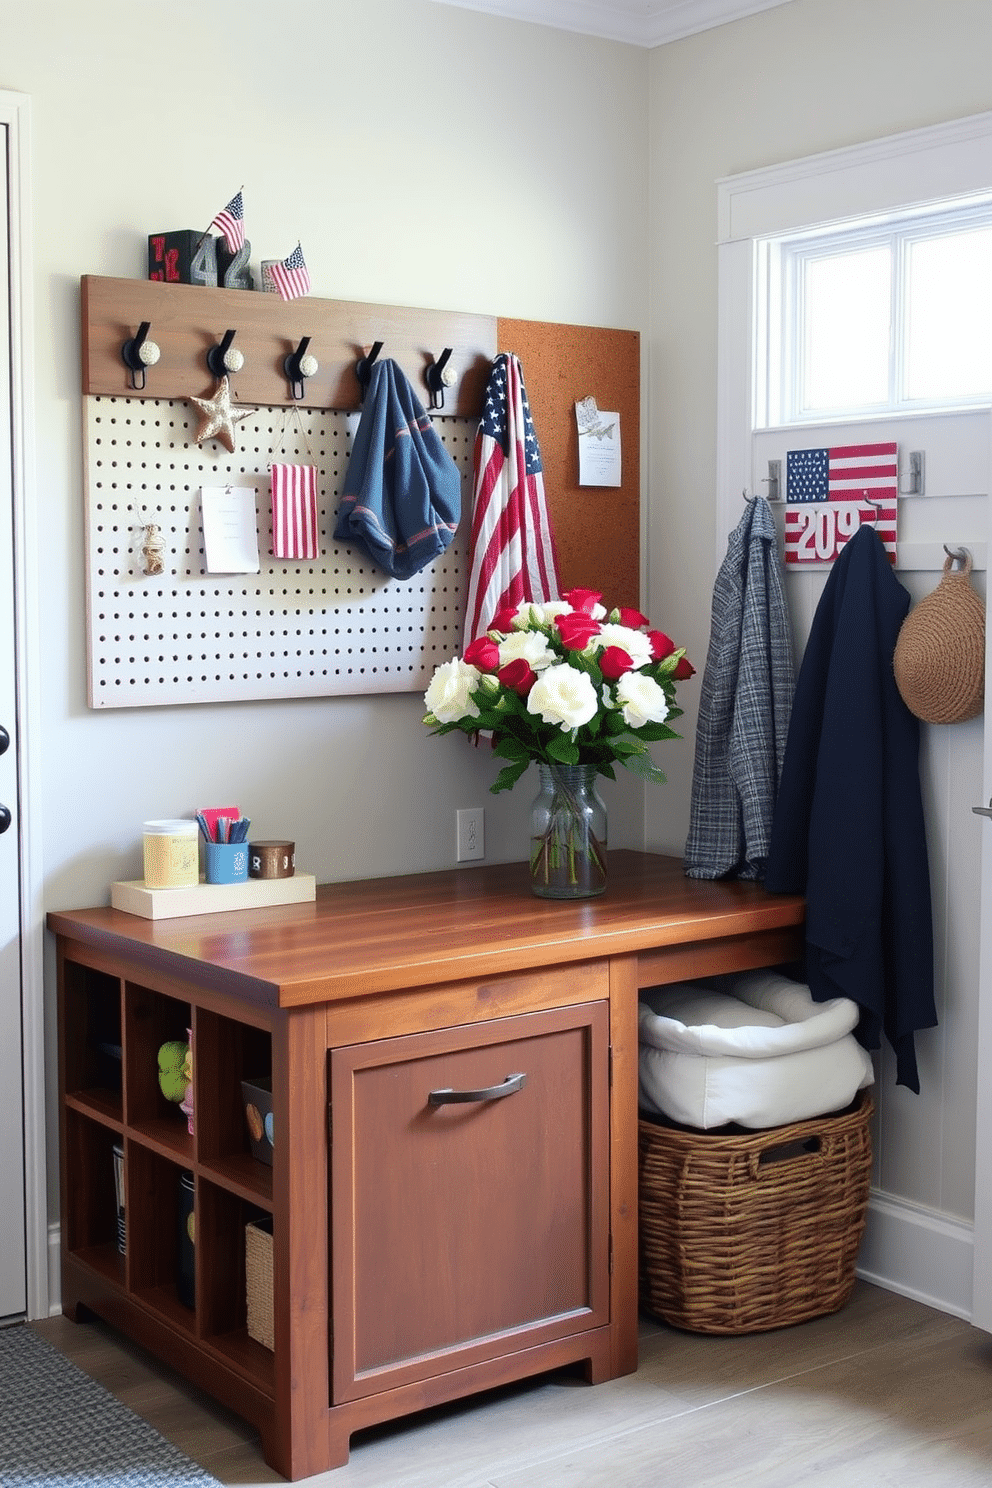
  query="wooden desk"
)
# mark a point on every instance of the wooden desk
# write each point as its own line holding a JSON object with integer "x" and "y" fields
{"x": 424, "y": 1248}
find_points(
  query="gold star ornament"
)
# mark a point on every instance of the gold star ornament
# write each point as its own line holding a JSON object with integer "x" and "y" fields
{"x": 217, "y": 417}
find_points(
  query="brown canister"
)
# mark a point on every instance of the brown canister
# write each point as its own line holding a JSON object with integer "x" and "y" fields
{"x": 271, "y": 859}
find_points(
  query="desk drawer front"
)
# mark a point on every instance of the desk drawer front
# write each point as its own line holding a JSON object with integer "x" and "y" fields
{"x": 470, "y": 1210}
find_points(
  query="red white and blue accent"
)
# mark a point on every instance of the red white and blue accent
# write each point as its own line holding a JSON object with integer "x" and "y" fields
{"x": 294, "y": 511}
{"x": 830, "y": 493}
{"x": 512, "y": 554}
{"x": 230, "y": 221}
{"x": 291, "y": 277}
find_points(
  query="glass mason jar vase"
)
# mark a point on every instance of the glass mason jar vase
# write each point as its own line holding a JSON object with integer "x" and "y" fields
{"x": 568, "y": 834}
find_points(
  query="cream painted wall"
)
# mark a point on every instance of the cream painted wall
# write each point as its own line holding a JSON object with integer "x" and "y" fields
{"x": 810, "y": 76}
{"x": 425, "y": 156}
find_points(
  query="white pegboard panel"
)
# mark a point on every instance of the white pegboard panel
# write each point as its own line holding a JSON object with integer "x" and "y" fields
{"x": 296, "y": 629}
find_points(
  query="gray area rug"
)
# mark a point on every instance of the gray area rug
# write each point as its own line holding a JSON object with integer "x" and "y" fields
{"x": 60, "y": 1428}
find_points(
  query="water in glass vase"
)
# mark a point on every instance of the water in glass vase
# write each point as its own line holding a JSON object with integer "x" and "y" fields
{"x": 568, "y": 834}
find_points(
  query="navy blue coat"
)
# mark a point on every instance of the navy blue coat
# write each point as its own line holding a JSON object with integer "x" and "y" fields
{"x": 848, "y": 830}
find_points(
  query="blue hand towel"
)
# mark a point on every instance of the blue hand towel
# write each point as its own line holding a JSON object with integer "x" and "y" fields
{"x": 401, "y": 499}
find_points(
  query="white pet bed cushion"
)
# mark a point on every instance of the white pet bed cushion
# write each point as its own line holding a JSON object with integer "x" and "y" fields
{"x": 752, "y": 1048}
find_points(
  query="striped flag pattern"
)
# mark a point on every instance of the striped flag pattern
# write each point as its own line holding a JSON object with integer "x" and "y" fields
{"x": 230, "y": 221}
{"x": 512, "y": 554}
{"x": 291, "y": 277}
{"x": 831, "y": 492}
{"x": 294, "y": 511}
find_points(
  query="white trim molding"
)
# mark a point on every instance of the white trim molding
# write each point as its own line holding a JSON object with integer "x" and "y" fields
{"x": 646, "y": 23}
{"x": 918, "y": 1253}
{"x": 15, "y": 114}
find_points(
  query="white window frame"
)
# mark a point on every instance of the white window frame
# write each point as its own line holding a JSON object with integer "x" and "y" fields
{"x": 779, "y": 268}
{"x": 895, "y": 175}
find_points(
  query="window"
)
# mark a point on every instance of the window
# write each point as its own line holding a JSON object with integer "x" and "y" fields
{"x": 878, "y": 317}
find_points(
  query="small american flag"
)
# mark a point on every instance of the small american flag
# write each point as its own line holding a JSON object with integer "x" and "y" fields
{"x": 290, "y": 277}
{"x": 294, "y": 511}
{"x": 230, "y": 221}
{"x": 858, "y": 484}
{"x": 512, "y": 552}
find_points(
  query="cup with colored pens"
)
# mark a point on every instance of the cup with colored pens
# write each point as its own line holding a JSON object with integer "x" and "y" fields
{"x": 225, "y": 844}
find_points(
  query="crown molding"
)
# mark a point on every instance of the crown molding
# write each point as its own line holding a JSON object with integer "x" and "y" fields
{"x": 646, "y": 23}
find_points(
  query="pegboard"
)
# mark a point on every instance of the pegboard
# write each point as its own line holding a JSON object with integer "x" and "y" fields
{"x": 336, "y": 625}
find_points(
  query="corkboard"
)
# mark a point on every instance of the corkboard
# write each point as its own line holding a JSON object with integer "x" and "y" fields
{"x": 597, "y": 530}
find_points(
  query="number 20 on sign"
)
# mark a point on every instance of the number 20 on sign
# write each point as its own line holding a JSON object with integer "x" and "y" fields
{"x": 816, "y": 534}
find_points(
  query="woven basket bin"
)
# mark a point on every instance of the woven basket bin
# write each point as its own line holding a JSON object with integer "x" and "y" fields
{"x": 258, "y": 1282}
{"x": 745, "y": 1232}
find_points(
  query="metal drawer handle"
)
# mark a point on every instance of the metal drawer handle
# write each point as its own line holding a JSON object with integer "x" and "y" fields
{"x": 449, "y": 1097}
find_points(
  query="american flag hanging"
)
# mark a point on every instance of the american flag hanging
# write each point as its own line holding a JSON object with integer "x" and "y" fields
{"x": 290, "y": 277}
{"x": 830, "y": 493}
{"x": 230, "y": 221}
{"x": 294, "y": 511}
{"x": 511, "y": 550}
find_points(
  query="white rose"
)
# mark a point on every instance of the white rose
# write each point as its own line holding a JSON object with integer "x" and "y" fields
{"x": 641, "y": 699}
{"x": 634, "y": 642}
{"x": 564, "y": 696}
{"x": 543, "y": 614}
{"x": 532, "y": 645}
{"x": 448, "y": 693}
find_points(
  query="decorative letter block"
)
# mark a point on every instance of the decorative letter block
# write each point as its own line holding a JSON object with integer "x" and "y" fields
{"x": 183, "y": 257}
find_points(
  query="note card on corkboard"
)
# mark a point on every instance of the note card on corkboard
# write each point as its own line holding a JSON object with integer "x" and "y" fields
{"x": 597, "y": 529}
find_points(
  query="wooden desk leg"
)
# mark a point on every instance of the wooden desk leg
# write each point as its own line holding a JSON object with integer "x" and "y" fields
{"x": 623, "y": 1162}
{"x": 300, "y": 1255}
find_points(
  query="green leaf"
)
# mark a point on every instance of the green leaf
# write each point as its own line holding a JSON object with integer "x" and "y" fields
{"x": 508, "y": 777}
{"x": 563, "y": 750}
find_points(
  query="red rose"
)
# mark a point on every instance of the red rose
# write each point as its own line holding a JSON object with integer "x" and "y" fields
{"x": 577, "y": 629}
{"x": 504, "y": 618}
{"x": 483, "y": 654}
{"x": 683, "y": 669}
{"x": 613, "y": 662}
{"x": 519, "y": 676}
{"x": 584, "y": 600}
{"x": 633, "y": 619}
{"x": 661, "y": 645}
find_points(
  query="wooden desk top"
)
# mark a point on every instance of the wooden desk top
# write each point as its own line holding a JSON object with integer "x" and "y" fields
{"x": 384, "y": 934}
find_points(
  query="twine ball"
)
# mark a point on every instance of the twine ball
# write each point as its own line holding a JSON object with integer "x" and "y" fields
{"x": 939, "y": 660}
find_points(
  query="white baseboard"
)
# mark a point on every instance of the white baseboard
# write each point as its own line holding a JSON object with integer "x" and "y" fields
{"x": 918, "y": 1253}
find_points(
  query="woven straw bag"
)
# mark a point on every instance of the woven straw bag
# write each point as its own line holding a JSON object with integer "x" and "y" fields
{"x": 939, "y": 660}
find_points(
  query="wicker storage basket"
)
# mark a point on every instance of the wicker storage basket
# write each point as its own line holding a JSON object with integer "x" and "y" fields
{"x": 755, "y": 1230}
{"x": 258, "y": 1281}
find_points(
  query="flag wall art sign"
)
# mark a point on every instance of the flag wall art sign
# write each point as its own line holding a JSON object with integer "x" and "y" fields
{"x": 294, "y": 511}
{"x": 832, "y": 492}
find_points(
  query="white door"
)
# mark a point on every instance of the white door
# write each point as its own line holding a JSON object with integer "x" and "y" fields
{"x": 13, "y": 1281}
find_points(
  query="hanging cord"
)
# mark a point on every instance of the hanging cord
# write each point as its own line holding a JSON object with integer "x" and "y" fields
{"x": 289, "y": 413}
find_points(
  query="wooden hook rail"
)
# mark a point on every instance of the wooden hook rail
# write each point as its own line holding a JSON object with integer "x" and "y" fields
{"x": 187, "y": 321}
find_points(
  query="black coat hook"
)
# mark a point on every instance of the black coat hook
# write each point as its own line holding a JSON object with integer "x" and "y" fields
{"x": 139, "y": 353}
{"x": 363, "y": 367}
{"x": 438, "y": 375}
{"x": 225, "y": 358}
{"x": 299, "y": 365}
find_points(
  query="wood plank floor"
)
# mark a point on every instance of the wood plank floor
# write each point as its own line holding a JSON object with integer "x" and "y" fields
{"x": 885, "y": 1392}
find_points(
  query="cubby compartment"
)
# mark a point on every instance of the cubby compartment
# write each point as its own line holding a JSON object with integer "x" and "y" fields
{"x": 90, "y": 1221}
{"x": 222, "y": 1217}
{"x": 152, "y": 1020}
{"x": 92, "y": 1049}
{"x": 227, "y": 1052}
{"x": 155, "y": 1218}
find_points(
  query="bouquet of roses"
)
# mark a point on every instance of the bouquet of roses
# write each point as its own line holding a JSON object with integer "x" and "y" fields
{"x": 563, "y": 683}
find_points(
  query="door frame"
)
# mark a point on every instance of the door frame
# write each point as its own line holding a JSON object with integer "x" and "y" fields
{"x": 15, "y": 114}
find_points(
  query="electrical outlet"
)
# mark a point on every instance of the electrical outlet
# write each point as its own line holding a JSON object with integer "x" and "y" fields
{"x": 471, "y": 832}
